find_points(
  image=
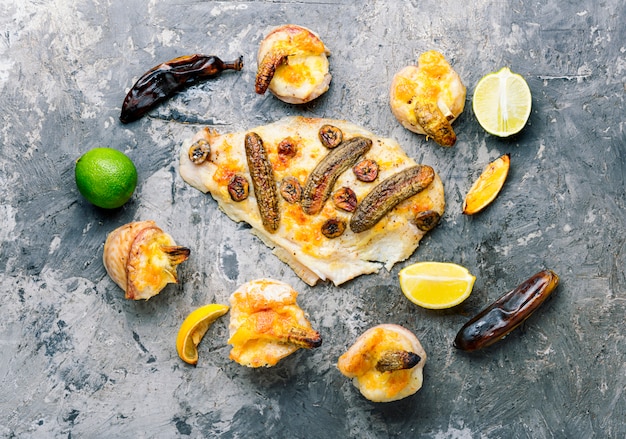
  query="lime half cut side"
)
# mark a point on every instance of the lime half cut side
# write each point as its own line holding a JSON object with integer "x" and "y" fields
{"x": 502, "y": 102}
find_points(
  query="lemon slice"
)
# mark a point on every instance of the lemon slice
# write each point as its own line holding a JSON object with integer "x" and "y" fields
{"x": 487, "y": 187}
{"x": 436, "y": 285}
{"x": 502, "y": 102}
{"x": 193, "y": 329}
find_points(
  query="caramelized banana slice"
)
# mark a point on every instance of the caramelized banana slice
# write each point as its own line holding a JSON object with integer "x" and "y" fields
{"x": 267, "y": 325}
{"x": 141, "y": 259}
{"x": 426, "y": 220}
{"x": 385, "y": 363}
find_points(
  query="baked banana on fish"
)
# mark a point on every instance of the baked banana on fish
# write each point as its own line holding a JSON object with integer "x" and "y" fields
{"x": 266, "y": 324}
{"x": 141, "y": 259}
{"x": 332, "y": 199}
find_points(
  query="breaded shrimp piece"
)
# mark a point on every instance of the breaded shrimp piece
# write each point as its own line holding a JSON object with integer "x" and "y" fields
{"x": 266, "y": 324}
{"x": 427, "y": 98}
{"x": 385, "y": 363}
{"x": 293, "y": 65}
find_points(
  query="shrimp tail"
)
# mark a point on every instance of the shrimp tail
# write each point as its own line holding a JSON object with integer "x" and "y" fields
{"x": 304, "y": 338}
{"x": 397, "y": 360}
{"x": 267, "y": 69}
{"x": 434, "y": 123}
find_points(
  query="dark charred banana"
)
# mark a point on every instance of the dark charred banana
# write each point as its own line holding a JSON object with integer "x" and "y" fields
{"x": 388, "y": 194}
{"x": 163, "y": 81}
{"x": 397, "y": 360}
{"x": 262, "y": 175}
{"x": 506, "y": 313}
{"x": 320, "y": 182}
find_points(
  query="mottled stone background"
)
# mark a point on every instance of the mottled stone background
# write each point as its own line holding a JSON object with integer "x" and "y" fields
{"x": 78, "y": 360}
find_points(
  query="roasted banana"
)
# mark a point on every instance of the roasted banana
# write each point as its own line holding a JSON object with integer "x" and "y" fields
{"x": 320, "y": 182}
{"x": 386, "y": 195}
{"x": 506, "y": 313}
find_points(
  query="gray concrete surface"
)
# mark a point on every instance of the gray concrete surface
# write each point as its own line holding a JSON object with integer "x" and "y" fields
{"x": 78, "y": 360}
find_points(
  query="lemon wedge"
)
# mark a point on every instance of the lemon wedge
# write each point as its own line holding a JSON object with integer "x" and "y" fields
{"x": 487, "y": 187}
{"x": 193, "y": 329}
{"x": 436, "y": 285}
{"x": 502, "y": 102}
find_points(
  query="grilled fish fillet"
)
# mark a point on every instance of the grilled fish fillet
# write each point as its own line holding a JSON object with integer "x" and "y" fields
{"x": 298, "y": 238}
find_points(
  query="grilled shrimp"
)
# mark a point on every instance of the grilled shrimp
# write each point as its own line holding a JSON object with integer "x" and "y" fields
{"x": 141, "y": 259}
{"x": 427, "y": 98}
{"x": 266, "y": 324}
{"x": 293, "y": 64}
{"x": 385, "y": 363}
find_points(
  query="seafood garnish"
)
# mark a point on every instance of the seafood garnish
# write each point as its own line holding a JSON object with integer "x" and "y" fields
{"x": 427, "y": 98}
{"x": 266, "y": 324}
{"x": 293, "y": 65}
{"x": 141, "y": 259}
{"x": 385, "y": 363}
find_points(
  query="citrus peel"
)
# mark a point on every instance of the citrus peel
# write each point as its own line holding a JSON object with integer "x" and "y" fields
{"x": 193, "y": 329}
{"x": 488, "y": 185}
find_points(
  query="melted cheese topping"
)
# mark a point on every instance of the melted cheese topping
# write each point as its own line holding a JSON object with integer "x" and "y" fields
{"x": 359, "y": 363}
{"x": 434, "y": 80}
{"x": 259, "y": 298}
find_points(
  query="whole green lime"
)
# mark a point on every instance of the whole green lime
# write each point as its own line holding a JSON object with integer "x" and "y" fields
{"x": 106, "y": 177}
